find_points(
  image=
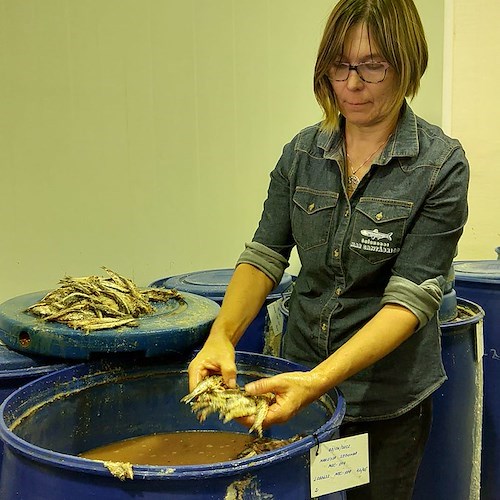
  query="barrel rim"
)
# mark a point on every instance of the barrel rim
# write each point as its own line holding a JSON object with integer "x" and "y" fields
{"x": 453, "y": 324}
{"x": 31, "y": 371}
{"x": 220, "y": 469}
{"x": 216, "y": 291}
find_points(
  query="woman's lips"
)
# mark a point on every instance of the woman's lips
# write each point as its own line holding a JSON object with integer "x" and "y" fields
{"x": 356, "y": 107}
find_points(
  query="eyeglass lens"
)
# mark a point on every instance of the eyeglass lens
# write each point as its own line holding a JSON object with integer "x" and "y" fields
{"x": 368, "y": 72}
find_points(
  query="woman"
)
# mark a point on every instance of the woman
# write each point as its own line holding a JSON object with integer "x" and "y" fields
{"x": 374, "y": 198}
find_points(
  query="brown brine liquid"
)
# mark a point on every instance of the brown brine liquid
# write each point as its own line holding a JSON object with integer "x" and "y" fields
{"x": 174, "y": 448}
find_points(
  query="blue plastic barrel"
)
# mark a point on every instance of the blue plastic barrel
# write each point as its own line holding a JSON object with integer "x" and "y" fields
{"x": 17, "y": 370}
{"x": 449, "y": 469}
{"x": 47, "y": 423}
{"x": 479, "y": 281}
{"x": 450, "y": 466}
{"x": 213, "y": 284}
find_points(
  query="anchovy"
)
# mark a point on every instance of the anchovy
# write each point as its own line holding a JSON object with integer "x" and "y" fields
{"x": 263, "y": 444}
{"x": 211, "y": 395}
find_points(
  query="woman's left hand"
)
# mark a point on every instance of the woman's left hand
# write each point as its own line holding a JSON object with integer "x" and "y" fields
{"x": 293, "y": 391}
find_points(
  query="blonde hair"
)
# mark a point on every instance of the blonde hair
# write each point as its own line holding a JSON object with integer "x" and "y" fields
{"x": 394, "y": 26}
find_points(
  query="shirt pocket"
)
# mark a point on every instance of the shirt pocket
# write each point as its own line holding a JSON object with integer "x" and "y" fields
{"x": 379, "y": 228}
{"x": 312, "y": 216}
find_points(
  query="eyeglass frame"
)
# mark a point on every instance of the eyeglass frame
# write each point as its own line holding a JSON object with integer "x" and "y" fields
{"x": 354, "y": 67}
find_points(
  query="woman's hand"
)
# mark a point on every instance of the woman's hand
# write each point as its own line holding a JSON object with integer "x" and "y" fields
{"x": 216, "y": 357}
{"x": 293, "y": 391}
{"x": 244, "y": 297}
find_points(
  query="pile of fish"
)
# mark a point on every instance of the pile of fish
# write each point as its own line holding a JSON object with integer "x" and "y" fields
{"x": 211, "y": 395}
{"x": 97, "y": 303}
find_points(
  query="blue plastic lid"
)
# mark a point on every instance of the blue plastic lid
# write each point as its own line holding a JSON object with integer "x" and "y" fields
{"x": 172, "y": 328}
{"x": 213, "y": 283}
{"x": 477, "y": 270}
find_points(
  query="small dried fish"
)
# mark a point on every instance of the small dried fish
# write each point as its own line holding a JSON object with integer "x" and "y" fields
{"x": 95, "y": 303}
{"x": 211, "y": 395}
{"x": 208, "y": 384}
{"x": 263, "y": 444}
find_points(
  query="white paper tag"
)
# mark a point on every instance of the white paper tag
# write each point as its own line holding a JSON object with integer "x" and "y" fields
{"x": 339, "y": 464}
{"x": 275, "y": 317}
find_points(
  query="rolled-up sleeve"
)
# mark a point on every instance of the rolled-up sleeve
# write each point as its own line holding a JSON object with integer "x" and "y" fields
{"x": 418, "y": 276}
{"x": 422, "y": 300}
{"x": 271, "y": 263}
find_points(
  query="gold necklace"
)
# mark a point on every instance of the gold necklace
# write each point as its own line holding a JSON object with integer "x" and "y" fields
{"x": 352, "y": 179}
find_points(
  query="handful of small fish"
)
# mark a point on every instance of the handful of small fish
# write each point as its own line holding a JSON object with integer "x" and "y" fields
{"x": 211, "y": 395}
{"x": 95, "y": 303}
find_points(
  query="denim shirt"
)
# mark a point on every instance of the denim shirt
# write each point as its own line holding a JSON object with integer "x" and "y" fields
{"x": 393, "y": 241}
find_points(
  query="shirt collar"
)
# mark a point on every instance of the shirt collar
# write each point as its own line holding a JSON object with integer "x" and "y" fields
{"x": 402, "y": 143}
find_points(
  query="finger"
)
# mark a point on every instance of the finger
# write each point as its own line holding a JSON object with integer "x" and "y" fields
{"x": 196, "y": 376}
{"x": 260, "y": 386}
{"x": 228, "y": 372}
{"x": 198, "y": 369}
{"x": 276, "y": 415}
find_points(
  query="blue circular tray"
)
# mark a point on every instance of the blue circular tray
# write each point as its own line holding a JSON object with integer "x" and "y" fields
{"x": 173, "y": 328}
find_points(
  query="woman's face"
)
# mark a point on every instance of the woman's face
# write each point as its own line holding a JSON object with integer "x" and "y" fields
{"x": 365, "y": 104}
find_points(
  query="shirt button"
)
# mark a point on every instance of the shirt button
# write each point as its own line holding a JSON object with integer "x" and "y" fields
{"x": 336, "y": 253}
{"x": 310, "y": 207}
{"x": 346, "y": 213}
{"x": 323, "y": 327}
{"x": 379, "y": 216}
{"x": 338, "y": 291}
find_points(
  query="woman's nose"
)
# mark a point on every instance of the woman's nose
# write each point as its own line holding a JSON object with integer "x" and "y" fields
{"x": 354, "y": 80}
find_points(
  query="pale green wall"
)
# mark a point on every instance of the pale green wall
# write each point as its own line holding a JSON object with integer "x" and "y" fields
{"x": 475, "y": 120}
{"x": 429, "y": 101}
{"x": 139, "y": 134}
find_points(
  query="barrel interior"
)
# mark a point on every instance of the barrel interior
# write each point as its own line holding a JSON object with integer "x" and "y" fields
{"x": 90, "y": 405}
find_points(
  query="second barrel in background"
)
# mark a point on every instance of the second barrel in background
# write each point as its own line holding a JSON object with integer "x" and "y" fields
{"x": 212, "y": 284}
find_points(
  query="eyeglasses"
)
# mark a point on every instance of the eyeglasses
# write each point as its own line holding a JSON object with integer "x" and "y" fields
{"x": 369, "y": 72}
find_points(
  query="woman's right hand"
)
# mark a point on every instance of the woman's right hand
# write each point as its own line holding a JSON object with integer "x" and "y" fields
{"x": 246, "y": 293}
{"x": 215, "y": 357}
